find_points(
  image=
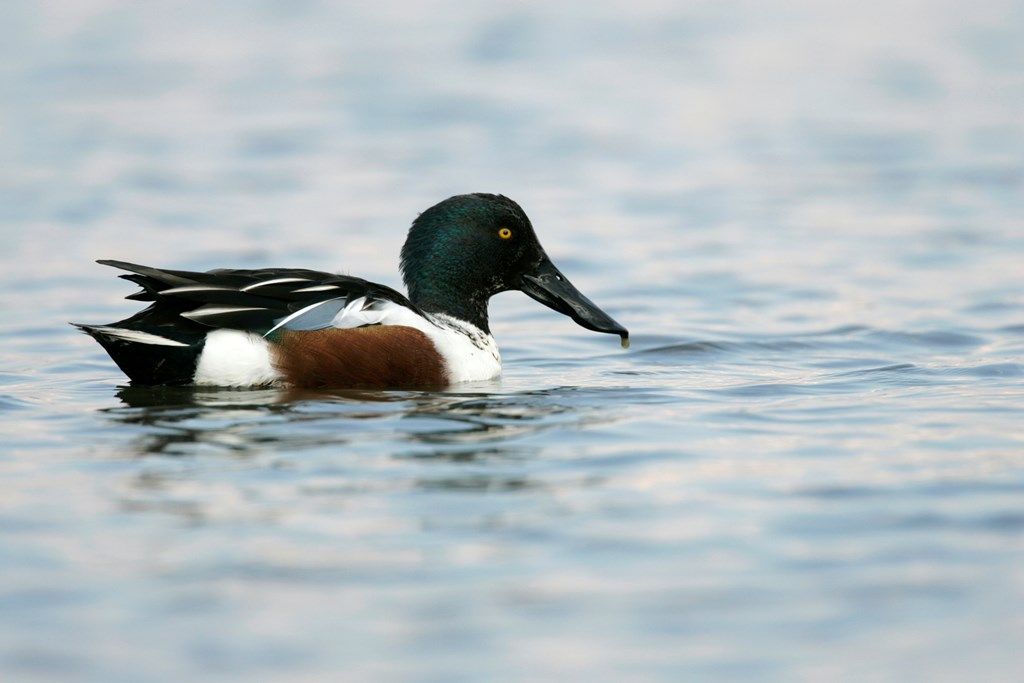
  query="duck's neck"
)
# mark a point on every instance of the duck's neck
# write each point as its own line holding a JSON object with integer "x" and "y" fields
{"x": 468, "y": 308}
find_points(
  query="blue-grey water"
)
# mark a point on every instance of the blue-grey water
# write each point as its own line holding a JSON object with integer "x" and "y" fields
{"x": 809, "y": 465}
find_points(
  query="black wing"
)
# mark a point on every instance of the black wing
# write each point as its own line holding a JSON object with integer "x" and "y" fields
{"x": 252, "y": 300}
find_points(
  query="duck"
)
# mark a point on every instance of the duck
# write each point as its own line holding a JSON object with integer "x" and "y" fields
{"x": 290, "y": 327}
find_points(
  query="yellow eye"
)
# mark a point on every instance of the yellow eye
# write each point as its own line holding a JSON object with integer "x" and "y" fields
{"x": 504, "y": 233}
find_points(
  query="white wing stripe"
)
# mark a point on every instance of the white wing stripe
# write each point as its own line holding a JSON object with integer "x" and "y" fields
{"x": 197, "y": 288}
{"x": 278, "y": 281}
{"x": 137, "y": 336}
{"x": 317, "y": 288}
{"x": 206, "y": 311}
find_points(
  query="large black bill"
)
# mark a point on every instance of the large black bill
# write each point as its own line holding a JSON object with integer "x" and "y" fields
{"x": 548, "y": 286}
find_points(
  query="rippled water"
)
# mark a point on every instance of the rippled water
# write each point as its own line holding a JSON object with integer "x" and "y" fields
{"x": 809, "y": 465}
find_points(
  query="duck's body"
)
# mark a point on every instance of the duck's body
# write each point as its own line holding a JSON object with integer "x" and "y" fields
{"x": 304, "y": 328}
{"x": 284, "y": 326}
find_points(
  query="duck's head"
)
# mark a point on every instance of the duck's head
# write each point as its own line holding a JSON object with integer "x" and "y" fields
{"x": 463, "y": 251}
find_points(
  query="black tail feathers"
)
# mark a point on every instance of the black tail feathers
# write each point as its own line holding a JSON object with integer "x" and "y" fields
{"x": 147, "y": 357}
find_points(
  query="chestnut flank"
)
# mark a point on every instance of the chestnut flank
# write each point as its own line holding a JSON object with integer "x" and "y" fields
{"x": 378, "y": 356}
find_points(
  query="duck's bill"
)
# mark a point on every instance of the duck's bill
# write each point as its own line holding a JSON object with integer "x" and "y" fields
{"x": 548, "y": 286}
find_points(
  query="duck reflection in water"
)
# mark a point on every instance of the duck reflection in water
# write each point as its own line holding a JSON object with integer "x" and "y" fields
{"x": 453, "y": 426}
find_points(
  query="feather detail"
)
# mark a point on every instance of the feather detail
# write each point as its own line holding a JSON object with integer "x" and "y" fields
{"x": 194, "y": 289}
{"x": 313, "y": 317}
{"x": 316, "y": 288}
{"x": 233, "y": 317}
{"x": 275, "y": 281}
{"x": 134, "y": 336}
{"x": 261, "y": 301}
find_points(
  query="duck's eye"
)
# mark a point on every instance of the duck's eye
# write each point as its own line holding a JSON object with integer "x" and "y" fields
{"x": 505, "y": 233}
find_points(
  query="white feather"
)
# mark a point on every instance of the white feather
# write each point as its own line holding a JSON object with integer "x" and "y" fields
{"x": 196, "y": 288}
{"x": 357, "y": 314}
{"x": 137, "y": 337}
{"x": 466, "y": 361}
{"x": 276, "y": 281}
{"x": 208, "y": 310}
{"x": 317, "y": 288}
{"x": 232, "y": 358}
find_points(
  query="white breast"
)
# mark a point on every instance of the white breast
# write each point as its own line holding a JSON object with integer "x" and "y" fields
{"x": 470, "y": 354}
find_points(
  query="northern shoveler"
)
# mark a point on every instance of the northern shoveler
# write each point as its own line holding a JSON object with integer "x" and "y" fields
{"x": 304, "y": 328}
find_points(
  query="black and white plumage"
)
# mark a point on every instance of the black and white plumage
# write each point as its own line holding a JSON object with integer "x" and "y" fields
{"x": 217, "y": 327}
{"x": 255, "y": 300}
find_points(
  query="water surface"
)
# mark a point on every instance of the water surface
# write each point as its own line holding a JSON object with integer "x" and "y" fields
{"x": 809, "y": 465}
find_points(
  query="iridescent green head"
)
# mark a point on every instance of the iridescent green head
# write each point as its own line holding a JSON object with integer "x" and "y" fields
{"x": 464, "y": 250}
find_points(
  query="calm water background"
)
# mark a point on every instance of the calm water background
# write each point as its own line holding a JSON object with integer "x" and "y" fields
{"x": 809, "y": 465}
